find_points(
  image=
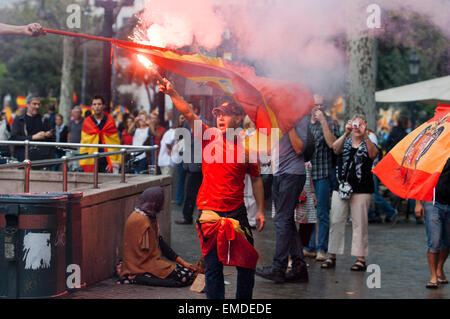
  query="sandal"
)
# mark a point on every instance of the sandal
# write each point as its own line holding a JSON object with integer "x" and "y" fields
{"x": 431, "y": 285}
{"x": 442, "y": 280}
{"x": 125, "y": 281}
{"x": 329, "y": 263}
{"x": 359, "y": 265}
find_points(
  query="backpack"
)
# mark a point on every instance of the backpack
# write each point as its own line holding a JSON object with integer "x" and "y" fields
{"x": 310, "y": 146}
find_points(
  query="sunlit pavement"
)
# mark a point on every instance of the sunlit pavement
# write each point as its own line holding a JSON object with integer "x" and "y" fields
{"x": 399, "y": 251}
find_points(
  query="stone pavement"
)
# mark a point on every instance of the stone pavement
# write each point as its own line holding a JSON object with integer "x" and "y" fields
{"x": 400, "y": 252}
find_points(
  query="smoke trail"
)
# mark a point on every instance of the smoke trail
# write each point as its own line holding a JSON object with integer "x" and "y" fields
{"x": 301, "y": 41}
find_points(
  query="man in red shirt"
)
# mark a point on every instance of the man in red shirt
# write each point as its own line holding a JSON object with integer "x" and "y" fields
{"x": 221, "y": 197}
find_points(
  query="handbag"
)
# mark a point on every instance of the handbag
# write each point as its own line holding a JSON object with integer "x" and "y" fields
{"x": 345, "y": 189}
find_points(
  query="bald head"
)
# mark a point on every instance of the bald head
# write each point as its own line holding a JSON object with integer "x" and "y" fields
{"x": 318, "y": 100}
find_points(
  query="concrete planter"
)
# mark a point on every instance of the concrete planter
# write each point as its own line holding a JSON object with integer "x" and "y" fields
{"x": 103, "y": 212}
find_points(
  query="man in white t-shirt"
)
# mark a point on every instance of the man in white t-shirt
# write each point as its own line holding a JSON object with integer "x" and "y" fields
{"x": 165, "y": 154}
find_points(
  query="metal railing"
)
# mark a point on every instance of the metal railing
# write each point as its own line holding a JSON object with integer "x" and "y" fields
{"x": 27, "y": 164}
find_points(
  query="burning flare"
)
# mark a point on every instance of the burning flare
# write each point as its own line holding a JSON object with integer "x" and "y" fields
{"x": 140, "y": 35}
{"x": 145, "y": 61}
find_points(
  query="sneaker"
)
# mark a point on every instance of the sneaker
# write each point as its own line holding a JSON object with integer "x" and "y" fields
{"x": 375, "y": 220}
{"x": 394, "y": 219}
{"x": 321, "y": 256}
{"x": 311, "y": 254}
{"x": 270, "y": 273}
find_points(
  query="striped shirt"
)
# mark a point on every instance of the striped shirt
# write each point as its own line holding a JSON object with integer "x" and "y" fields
{"x": 322, "y": 159}
{"x": 306, "y": 213}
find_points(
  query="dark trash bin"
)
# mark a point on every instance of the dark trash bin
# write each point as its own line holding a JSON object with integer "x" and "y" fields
{"x": 33, "y": 245}
{"x": 73, "y": 230}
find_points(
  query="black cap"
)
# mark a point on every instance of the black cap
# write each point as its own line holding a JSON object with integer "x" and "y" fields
{"x": 228, "y": 108}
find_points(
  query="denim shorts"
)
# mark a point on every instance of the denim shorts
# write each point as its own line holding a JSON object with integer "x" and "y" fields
{"x": 437, "y": 219}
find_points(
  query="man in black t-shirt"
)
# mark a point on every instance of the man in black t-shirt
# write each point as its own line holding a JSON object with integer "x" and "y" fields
{"x": 437, "y": 223}
{"x": 29, "y": 126}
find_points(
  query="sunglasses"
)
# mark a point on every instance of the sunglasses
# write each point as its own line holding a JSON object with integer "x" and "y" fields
{"x": 217, "y": 113}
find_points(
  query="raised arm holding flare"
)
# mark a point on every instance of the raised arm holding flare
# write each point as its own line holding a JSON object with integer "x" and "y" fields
{"x": 184, "y": 107}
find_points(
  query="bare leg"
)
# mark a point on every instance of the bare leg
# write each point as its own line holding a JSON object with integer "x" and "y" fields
{"x": 443, "y": 254}
{"x": 433, "y": 264}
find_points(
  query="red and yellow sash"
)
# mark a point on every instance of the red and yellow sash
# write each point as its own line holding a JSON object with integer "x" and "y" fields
{"x": 233, "y": 249}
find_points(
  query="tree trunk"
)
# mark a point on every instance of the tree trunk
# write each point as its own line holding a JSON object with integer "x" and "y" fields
{"x": 362, "y": 79}
{"x": 362, "y": 66}
{"x": 67, "y": 78}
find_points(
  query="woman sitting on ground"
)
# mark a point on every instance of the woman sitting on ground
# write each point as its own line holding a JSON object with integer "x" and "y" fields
{"x": 147, "y": 259}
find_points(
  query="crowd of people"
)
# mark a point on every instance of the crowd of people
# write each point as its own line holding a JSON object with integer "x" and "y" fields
{"x": 321, "y": 192}
{"x": 95, "y": 127}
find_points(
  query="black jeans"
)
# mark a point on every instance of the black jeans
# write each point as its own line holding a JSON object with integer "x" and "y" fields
{"x": 214, "y": 280}
{"x": 194, "y": 181}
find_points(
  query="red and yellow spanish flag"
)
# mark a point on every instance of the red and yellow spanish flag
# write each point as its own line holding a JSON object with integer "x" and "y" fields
{"x": 84, "y": 109}
{"x": 9, "y": 115}
{"x": 269, "y": 103}
{"x": 227, "y": 236}
{"x": 21, "y": 101}
{"x": 412, "y": 168}
{"x": 119, "y": 111}
{"x": 91, "y": 134}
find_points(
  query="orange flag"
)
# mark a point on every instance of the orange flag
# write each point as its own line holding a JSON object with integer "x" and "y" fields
{"x": 412, "y": 168}
{"x": 269, "y": 103}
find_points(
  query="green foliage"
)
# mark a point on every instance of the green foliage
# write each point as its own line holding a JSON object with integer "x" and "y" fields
{"x": 3, "y": 71}
{"x": 405, "y": 33}
{"x": 34, "y": 64}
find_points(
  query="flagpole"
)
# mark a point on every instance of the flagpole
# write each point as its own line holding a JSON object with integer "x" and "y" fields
{"x": 112, "y": 41}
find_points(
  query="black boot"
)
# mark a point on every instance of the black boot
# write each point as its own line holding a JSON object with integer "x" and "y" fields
{"x": 271, "y": 273}
{"x": 299, "y": 272}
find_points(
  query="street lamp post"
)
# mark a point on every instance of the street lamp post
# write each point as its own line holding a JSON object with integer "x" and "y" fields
{"x": 109, "y": 6}
{"x": 414, "y": 68}
{"x": 414, "y": 64}
{"x": 83, "y": 77}
{"x": 109, "y": 20}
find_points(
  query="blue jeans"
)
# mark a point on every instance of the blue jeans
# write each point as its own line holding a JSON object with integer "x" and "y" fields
{"x": 181, "y": 177}
{"x": 437, "y": 220}
{"x": 214, "y": 280}
{"x": 412, "y": 206}
{"x": 141, "y": 165}
{"x": 286, "y": 189}
{"x": 322, "y": 187}
{"x": 379, "y": 200}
